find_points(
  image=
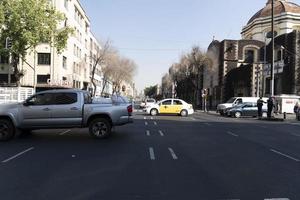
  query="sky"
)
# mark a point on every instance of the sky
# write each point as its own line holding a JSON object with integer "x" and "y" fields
{"x": 155, "y": 33}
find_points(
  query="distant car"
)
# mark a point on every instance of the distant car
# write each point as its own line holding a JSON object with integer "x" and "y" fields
{"x": 235, "y": 101}
{"x": 147, "y": 102}
{"x": 246, "y": 109}
{"x": 170, "y": 106}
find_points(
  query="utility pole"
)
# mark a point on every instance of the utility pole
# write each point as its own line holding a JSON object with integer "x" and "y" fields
{"x": 272, "y": 52}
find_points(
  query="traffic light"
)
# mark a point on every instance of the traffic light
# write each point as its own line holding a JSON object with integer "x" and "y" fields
{"x": 8, "y": 43}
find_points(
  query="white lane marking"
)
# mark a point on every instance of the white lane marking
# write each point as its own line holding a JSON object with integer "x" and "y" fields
{"x": 148, "y": 133}
{"x": 231, "y": 133}
{"x": 287, "y": 156}
{"x": 208, "y": 124}
{"x": 151, "y": 117}
{"x": 278, "y": 199}
{"x": 73, "y": 156}
{"x": 295, "y": 134}
{"x": 145, "y": 117}
{"x": 151, "y": 151}
{"x": 64, "y": 132}
{"x": 155, "y": 123}
{"x": 146, "y": 123}
{"x": 17, "y": 155}
{"x": 161, "y": 133}
{"x": 173, "y": 154}
{"x": 293, "y": 123}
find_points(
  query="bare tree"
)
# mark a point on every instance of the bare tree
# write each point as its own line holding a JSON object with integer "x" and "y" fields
{"x": 99, "y": 59}
{"x": 123, "y": 70}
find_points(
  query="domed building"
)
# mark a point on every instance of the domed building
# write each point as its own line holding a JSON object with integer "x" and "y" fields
{"x": 286, "y": 19}
{"x": 241, "y": 67}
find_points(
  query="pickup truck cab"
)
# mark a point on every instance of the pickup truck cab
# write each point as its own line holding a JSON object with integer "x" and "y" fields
{"x": 66, "y": 108}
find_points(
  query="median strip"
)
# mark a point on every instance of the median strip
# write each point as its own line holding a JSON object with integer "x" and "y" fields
{"x": 17, "y": 155}
{"x": 287, "y": 156}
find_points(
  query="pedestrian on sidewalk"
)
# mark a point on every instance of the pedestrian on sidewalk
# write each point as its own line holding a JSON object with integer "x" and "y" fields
{"x": 270, "y": 104}
{"x": 296, "y": 108}
{"x": 260, "y": 102}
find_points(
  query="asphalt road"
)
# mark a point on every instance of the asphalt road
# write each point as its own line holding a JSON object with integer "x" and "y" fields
{"x": 157, "y": 158}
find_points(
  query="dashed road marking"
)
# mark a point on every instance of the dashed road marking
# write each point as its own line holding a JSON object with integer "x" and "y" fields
{"x": 64, "y": 132}
{"x": 145, "y": 117}
{"x": 151, "y": 152}
{"x": 155, "y": 123}
{"x": 285, "y": 155}
{"x": 278, "y": 199}
{"x": 148, "y": 133}
{"x": 151, "y": 118}
{"x": 173, "y": 154}
{"x": 161, "y": 133}
{"x": 17, "y": 155}
{"x": 231, "y": 133}
{"x": 146, "y": 123}
{"x": 207, "y": 124}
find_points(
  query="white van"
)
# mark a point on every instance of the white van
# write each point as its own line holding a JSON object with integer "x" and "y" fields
{"x": 235, "y": 101}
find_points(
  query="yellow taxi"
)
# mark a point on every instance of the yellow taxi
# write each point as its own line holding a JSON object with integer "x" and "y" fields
{"x": 170, "y": 106}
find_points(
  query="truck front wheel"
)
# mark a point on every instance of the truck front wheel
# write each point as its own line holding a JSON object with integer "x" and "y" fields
{"x": 7, "y": 130}
{"x": 100, "y": 128}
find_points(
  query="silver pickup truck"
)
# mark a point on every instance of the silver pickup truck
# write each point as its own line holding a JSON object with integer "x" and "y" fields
{"x": 66, "y": 108}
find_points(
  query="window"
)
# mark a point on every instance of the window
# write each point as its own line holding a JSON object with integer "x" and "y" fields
{"x": 40, "y": 99}
{"x": 66, "y": 4}
{"x": 44, "y": 58}
{"x": 177, "y": 102}
{"x": 42, "y": 78}
{"x": 279, "y": 55}
{"x": 65, "y": 98}
{"x": 64, "y": 62}
{"x": 167, "y": 102}
{"x": 249, "y": 56}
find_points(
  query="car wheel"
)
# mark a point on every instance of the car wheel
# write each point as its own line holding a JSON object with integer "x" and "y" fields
{"x": 7, "y": 130}
{"x": 153, "y": 112}
{"x": 100, "y": 128}
{"x": 184, "y": 113}
{"x": 237, "y": 114}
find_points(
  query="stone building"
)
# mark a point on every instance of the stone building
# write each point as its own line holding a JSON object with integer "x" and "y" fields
{"x": 243, "y": 65}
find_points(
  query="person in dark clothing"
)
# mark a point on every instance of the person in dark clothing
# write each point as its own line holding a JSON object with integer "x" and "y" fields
{"x": 260, "y": 102}
{"x": 270, "y": 106}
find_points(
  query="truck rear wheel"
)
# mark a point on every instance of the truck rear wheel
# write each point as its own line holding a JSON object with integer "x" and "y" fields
{"x": 7, "y": 130}
{"x": 100, "y": 128}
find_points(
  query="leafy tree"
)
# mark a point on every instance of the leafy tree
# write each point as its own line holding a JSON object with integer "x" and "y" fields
{"x": 151, "y": 91}
{"x": 28, "y": 23}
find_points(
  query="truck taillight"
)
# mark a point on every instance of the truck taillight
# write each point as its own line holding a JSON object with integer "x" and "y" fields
{"x": 129, "y": 109}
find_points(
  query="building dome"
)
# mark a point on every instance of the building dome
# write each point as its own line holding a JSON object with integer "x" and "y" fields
{"x": 280, "y": 6}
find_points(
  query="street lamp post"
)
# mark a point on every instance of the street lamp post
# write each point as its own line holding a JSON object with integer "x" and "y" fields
{"x": 272, "y": 52}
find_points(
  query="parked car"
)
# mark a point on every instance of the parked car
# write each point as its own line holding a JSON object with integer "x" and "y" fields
{"x": 170, "y": 106}
{"x": 147, "y": 102}
{"x": 234, "y": 101}
{"x": 246, "y": 109}
{"x": 66, "y": 108}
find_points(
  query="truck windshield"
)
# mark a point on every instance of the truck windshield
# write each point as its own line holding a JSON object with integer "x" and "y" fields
{"x": 231, "y": 100}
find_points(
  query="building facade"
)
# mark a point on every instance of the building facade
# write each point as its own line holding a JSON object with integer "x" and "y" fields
{"x": 46, "y": 69}
{"x": 242, "y": 67}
